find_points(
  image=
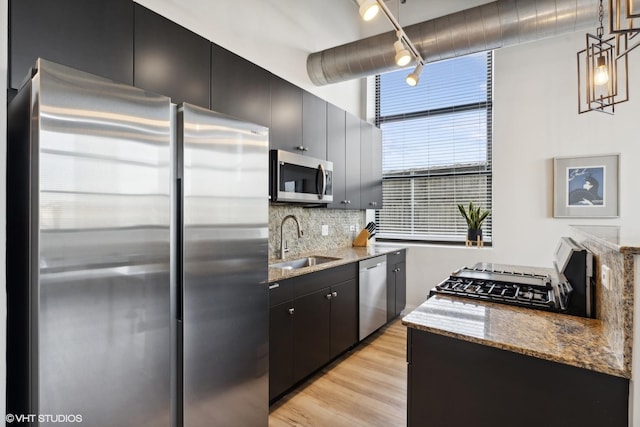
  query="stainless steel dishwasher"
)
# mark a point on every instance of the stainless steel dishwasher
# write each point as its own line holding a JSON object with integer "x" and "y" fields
{"x": 373, "y": 294}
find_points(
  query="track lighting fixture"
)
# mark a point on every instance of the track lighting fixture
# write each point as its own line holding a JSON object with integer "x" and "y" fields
{"x": 404, "y": 48}
{"x": 368, "y": 9}
{"x": 414, "y": 77}
{"x": 403, "y": 56}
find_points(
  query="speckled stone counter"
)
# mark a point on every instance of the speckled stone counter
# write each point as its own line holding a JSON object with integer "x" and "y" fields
{"x": 345, "y": 255}
{"x": 560, "y": 338}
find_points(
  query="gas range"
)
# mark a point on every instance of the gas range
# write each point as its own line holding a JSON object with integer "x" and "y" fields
{"x": 567, "y": 289}
{"x": 483, "y": 282}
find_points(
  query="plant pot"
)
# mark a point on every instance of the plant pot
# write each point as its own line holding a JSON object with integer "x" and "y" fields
{"x": 474, "y": 234}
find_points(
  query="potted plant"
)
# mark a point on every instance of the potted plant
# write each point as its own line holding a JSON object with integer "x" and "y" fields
{"x": 474, "y": 216}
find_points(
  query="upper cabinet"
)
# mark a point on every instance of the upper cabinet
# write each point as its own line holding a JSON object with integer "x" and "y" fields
{"x": 285, "y": 132}
{"x": 314, "y": 126}
{"x": 336, "y": 144}
{"x": 352, "y": 159}
{"x": 171, "y": 60}
{"x": 90, "y": 35}
{"x": 371, "y": 167}
{"x": 239, "y": 87}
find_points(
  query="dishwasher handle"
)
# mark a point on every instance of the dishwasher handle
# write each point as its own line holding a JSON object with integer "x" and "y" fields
{"x": 375, "y": 266}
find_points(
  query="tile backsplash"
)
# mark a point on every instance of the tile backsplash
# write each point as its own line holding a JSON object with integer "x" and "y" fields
{"x": 311, "y": 221}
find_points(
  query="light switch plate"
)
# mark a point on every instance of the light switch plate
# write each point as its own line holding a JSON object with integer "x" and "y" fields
{"x": 605, "y": 276}
{"x": 325, "y": 230}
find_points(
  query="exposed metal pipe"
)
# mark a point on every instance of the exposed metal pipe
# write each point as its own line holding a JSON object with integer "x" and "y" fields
{"x": 491, "y": 26}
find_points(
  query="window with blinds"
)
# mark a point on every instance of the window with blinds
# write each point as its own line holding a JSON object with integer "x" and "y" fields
{"x": 436, "y": 149}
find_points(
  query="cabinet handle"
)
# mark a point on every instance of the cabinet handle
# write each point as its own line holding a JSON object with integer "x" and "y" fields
{"x": 373, "y": 203}
{"x": 397, "y": 269}
{"x": 302, "y": 148}
{"x": 328, "y": 296}
{"x": 334, "y": 294}
{"x": 344, "y": 202}
{"x": 275, "y": 285}
{"x": 291, "y": 311}
{"x": 348, "y": 202}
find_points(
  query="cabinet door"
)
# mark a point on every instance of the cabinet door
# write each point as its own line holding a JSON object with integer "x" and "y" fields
{"x": 401, "y": 287}
{"x": 285, "y": 132}
{"x": 352, "y": 156}
{"x": 371, "y": 167}
{"x": 239, "y": 87}
{"x": 311, "y": 333}
{"x": 314, "y": 126}
{"x": 280, "y": 348}
{"x": 93, "y": 36}
{"x": 336, "y": 153}
{"x": 344, "y": 317}
{"x": 171, "y": 60}
{"x": 391, "y": 290}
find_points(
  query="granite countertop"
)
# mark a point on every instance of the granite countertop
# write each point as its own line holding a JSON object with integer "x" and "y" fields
{"x": 345, "y": 255}
{"x": 621, "y": 239}
{"x": 571, "y": 340}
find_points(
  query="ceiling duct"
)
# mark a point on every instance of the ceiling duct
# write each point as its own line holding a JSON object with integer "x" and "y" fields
{"x": 491, "y": 26}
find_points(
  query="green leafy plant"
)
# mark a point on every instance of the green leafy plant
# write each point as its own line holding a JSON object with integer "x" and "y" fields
{"x": 473, "y": 215}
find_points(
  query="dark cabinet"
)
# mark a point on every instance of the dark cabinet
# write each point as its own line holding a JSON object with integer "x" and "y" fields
{"x": 90, "y": 35}
{"x": 312, "y": 319}
{"x": 314, "y": 126}
{"x": 280, "y": 348}
{"x": 239, "y": 87}
{"x": 171, "y": 60}
{"x": 498, "y": 387}
{"x": 371, "y": 167}
{"x": 352, "y": 159}
{"x": 336, "y": 153}
{"x": 311, "y": 333}
{"x": 344, "y": 317}
{"x": 396, "y": 283}
{"x": 285, "y": 132}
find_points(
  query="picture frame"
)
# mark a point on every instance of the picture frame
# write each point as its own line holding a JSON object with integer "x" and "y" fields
{"x": 586, "y": 186}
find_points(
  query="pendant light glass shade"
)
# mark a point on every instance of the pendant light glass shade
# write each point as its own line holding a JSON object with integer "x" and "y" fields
{"x": 368, "y": 9}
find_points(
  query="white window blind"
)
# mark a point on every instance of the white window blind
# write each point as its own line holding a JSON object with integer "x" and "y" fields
{"x": 436, "y": 149}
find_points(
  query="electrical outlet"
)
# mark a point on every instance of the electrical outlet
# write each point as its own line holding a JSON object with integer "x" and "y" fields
{"x": 352, "y": 228}
{"x": 605, "y": 276}
{"x": 325, "y": 230}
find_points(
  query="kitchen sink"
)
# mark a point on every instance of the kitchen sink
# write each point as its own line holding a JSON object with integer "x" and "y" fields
{"x": 295, "y": 264}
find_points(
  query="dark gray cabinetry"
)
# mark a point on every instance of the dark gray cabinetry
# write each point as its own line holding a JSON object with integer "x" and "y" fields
{"x": 336, "y": 153}
{"x": 285, "y": 131}
{"x": 352, "y": 156}
{"x": 503, "y": 389}
{"x": 90, "y": 35}
{"x": 171, "y": 60}
{"x": 314, "y": 126}
{"x": 396, "y": 283}
{"x": 239, "y": 87}
{"x": 313, "y": 318}
{"x": 371, "y": 167}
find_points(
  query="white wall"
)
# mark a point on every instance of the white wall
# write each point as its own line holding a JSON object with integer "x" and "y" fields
{"x": 536, "y": 119}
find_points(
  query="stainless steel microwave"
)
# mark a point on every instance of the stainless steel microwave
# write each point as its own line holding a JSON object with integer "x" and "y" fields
{"x": 300, "y": 179}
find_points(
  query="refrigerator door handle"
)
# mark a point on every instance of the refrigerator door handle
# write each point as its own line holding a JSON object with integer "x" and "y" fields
{"x": 179, "y": 253}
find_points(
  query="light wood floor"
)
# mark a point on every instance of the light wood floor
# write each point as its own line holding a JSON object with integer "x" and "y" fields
{"x": 366, "y": 387}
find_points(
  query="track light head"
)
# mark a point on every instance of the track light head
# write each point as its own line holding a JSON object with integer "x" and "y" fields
{"x": 368, "y": 9}
{"x": 403, "y": 56}
{"x": 414, "y": 77}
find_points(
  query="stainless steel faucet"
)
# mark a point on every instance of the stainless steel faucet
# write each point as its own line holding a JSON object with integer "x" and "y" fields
{"x": 283, "y": 243}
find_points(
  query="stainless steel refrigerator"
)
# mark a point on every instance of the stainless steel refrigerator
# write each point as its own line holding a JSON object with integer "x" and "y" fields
{"x": 136, "y": 297}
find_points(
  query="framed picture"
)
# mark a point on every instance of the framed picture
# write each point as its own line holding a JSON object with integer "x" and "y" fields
{"x": 586, "y": 186}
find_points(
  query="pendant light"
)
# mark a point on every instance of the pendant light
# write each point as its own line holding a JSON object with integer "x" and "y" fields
{"x": 403, "y": 56}
{"x": 602, "y": 71}
{"x": 624, "y": 16}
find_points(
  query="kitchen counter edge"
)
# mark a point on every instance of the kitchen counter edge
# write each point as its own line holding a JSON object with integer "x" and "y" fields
{"x": 561, "y": 338}
{"x": 346, "y": 255}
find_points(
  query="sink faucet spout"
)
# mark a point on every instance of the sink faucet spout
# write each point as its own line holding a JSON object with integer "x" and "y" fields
{"x": 283, "y": 243}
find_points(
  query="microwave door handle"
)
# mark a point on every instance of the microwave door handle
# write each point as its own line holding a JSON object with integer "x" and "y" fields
{"x": 323, "y": 188}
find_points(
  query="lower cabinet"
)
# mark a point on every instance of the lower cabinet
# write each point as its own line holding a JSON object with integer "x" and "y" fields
{"x": 396, "y": 283}
{"x": 317, "y": 323}
{"x": 500, "y": 388}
